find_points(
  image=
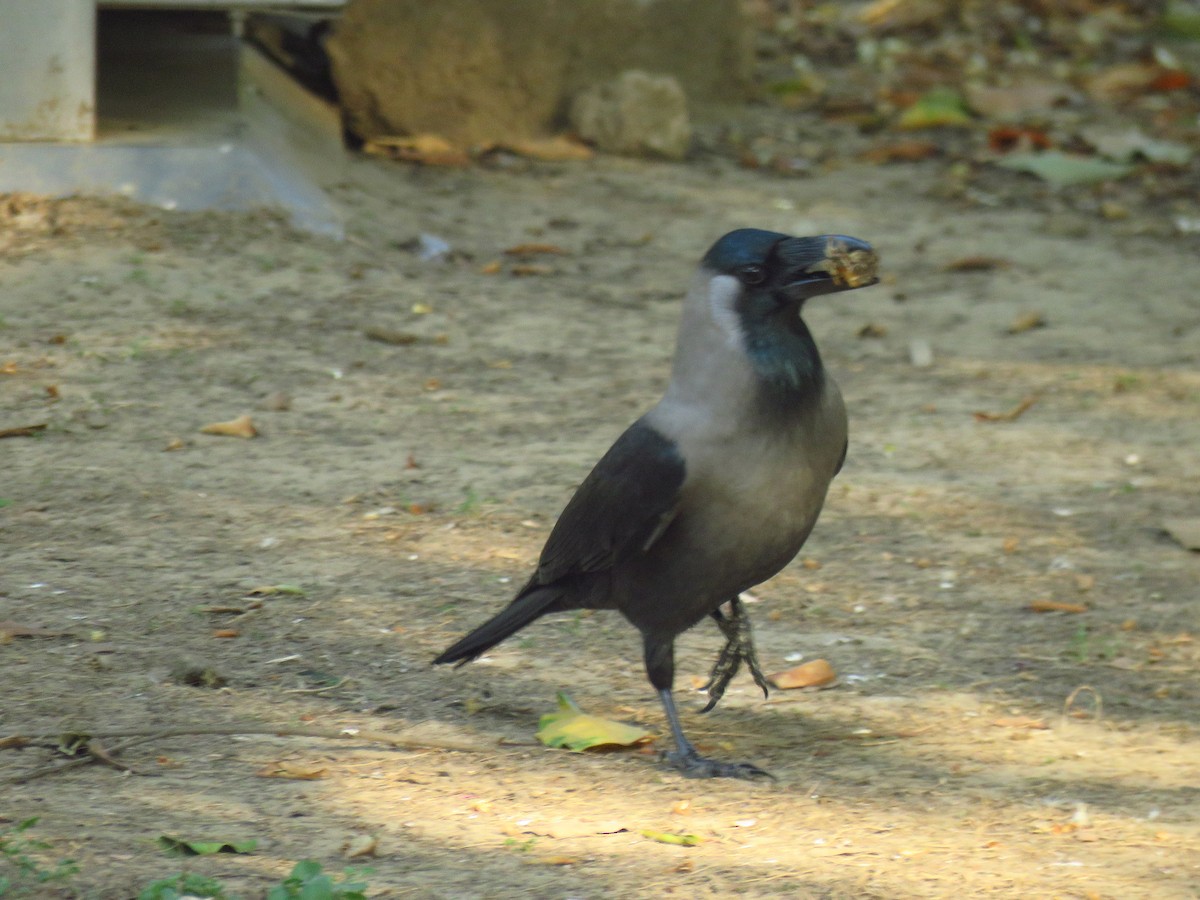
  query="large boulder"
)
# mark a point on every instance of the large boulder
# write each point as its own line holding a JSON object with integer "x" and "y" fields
{"x": 480, "y": 71}
{"x": 637, "y": 114}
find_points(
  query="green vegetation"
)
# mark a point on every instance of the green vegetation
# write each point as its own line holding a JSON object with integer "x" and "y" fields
{"x": 22, "y": 870}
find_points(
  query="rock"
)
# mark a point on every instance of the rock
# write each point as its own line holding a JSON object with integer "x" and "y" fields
{"x": 491, "y": 71}
{"x": 637, "y": 113}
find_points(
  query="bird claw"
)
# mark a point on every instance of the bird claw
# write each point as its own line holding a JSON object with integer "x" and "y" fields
{"x": 738, "y": 648}
{"x": 693, "y": 765}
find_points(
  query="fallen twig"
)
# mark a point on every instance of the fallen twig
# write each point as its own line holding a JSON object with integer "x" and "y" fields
{"x": 141, "y": 736}
{"x": 1012, "y": 415}
{"x": 319, "y": 690}
{"x": 23, "y": 430}
{"x": 95, "y": 753}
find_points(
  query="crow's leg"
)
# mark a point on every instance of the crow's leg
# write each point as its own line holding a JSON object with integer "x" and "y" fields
{"x": 738, "y": 647}
{"x": 660, "y": 667}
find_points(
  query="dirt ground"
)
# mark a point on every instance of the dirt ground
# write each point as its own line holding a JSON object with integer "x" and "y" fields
{"x": 400, "y": 489}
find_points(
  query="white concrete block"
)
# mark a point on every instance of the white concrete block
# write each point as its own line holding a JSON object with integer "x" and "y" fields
{"x": 48, "y": 61}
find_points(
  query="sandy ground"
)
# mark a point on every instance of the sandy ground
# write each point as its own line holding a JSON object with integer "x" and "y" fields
{"x": 971, "y": 747}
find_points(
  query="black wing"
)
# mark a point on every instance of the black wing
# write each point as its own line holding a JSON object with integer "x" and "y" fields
{"x": 620, "y": 509}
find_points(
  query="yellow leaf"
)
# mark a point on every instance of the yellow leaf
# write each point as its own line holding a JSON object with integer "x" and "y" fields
{"x": 815, "y": 673}
{"x": 426, "y": 149}
{"x": 291, "y": 770}
{"x": 361, "y": 845}
{"x": 938, "y": 108}
{"x": 1056, "y": 606}
{"x": 556, "y": 149}
{"x": 683, "y": 840}
{"x": 240, "y": 427}
{"x": 574, "y": 729}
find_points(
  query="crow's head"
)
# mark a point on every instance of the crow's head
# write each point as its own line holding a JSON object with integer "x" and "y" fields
{"x": 778, "y": 270}
{"x": 759, "y": 280}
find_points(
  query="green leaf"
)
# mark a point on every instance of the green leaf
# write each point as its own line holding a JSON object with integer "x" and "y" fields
{"x": 683, "y": 840}
{"x": 308, "y": 882}
{"x": 1061, "y": 169}
{"x": 181, "y": 847}
{"x": 938, "y": 108}
{"x": 185, "y": 884}
{"x": 574, "y": 729}
{"x": 1181, "y": 20}
{"x": 268, "y": 590}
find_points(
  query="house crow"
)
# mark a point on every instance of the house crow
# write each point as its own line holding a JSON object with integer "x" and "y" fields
{"x": 717, "y": 487}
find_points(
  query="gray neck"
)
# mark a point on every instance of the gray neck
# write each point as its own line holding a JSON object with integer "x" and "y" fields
{"x": 741, "y": 373}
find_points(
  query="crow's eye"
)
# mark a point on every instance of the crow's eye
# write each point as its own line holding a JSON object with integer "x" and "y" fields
{"x": 752, "y": 274}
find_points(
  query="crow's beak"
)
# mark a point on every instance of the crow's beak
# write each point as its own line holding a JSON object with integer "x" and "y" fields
{"x": 826, "y": 264}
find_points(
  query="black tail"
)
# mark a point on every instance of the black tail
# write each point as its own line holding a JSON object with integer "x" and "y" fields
{"x": 507, "y": 622}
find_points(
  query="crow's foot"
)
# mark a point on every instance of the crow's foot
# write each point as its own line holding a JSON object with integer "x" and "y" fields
{"x": 739, "y": 648}
{"x": 693, "y": 765}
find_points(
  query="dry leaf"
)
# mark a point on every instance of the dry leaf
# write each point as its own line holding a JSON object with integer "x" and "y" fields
{"x": 1020, "y": 722}
{"x": 555, "y": 149}
{"x": 241, "y": 427}
{"x": 1016, "y": 100}
{"x": 814, "y": 673}
{"x": 226, "y": 633}
{"x": 889, "y": 15}
{"x": 390, "y": 336}
{"x": 10, "y": 629}
{"x": 535, "y": 250}
{"x": 1008, "y": 139}
{"x": 1056, "y": 606}
{"x": 525, "y": 270}
{"x": 976, "y": 264}
{"x": 176, "y": 443}
{"x": 293, "y": 770}
{"x": 425, "y": 149}
{"x": 22, "y": 430}
{"x": 871, "y": 330}
{"x": 1123, "y": 80}
{"x": 1027, "y": 321}
{"x": 491, "y": 268}
{"x": 361, "y": 845}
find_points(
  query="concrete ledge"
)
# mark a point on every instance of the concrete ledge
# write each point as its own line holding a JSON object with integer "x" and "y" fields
{"x": 48, "y": 90}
